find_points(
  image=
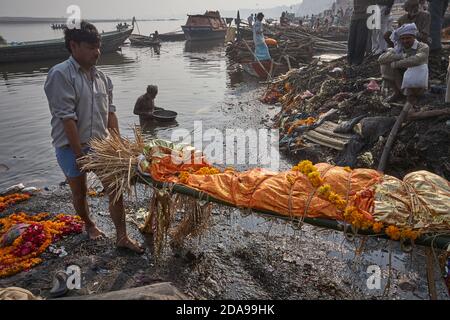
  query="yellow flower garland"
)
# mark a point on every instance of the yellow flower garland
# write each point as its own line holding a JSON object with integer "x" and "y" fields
{"x": 351, "y": 214}
{"x": 184, "y": 175}
{"x": 207, "y": 171}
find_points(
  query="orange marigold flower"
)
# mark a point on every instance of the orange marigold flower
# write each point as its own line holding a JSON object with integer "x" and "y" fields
{"x": 409, "y": 234}
{"x": 377, "y": 227}
{"x": 315, "y": 179}
{"x": 207, "y": 171}
{"x": 290, "y": 179}
{"x": 393, "y": 232}
{"x": 184, "y": 176}
{"x": 324, "y": 190}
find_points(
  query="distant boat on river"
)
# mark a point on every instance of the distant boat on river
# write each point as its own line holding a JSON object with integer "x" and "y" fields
{"x": 52, "y": 49}
{"x": 208, "y": 26}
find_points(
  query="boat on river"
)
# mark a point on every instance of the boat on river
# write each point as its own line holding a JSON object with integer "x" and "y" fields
{"x": 208, "y": 26}
{"x": 139, "y": 40}
{"x": 264, "y": 69}
{"x": 52, "y": 49}
{"x": 172, "y": 36}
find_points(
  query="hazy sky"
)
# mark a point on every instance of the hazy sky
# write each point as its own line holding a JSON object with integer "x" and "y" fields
{"x": 128, "y": 8}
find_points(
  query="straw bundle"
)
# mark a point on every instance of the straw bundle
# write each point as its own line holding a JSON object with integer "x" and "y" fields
{"x": 114, "y": 160}
{"x": 159, "y": 223}
{"x": 195, "y": 221}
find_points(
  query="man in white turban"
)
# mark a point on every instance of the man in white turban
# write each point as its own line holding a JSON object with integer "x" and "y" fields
{"x": 405, "y": 67}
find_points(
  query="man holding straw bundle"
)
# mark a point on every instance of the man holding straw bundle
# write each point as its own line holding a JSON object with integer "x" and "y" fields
{"x": 80, "y": 101}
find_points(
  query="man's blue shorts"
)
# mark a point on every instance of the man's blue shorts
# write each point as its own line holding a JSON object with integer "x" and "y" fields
{"x": 68, "y": 162}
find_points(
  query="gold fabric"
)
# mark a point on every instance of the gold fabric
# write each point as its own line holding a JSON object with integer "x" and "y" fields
{"x": 421, "y": 200}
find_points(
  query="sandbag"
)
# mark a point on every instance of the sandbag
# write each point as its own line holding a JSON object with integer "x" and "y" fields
{"x": 416, "y": 77}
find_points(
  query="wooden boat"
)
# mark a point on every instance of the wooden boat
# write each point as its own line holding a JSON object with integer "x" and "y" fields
{"x": 172, "y": 36}
{"x": 51, "y": 49}
{"x": 143, "y": 41}
{"x": 260, "y": 69}
{"x": 206, "y": 26}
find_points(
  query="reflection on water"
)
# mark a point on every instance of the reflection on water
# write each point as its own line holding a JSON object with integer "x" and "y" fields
{"x": 34, "y": 68}
{"x": 192, "y": 79}
{"x": 203, "y": 46}
{"x": 150, "y": 127}
{"x": 237, "y": 76}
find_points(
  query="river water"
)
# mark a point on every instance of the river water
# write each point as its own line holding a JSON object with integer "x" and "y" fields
{"x": 193, "y": 80}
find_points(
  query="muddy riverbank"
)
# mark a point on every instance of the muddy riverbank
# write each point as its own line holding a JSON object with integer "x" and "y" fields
{"x": 240, "y": 256}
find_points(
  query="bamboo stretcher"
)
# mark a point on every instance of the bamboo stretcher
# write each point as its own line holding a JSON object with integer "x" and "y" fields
{"x": 436, "y": 241}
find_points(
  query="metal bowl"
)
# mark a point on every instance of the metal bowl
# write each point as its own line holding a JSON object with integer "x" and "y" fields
{"x": 164, "y": 115}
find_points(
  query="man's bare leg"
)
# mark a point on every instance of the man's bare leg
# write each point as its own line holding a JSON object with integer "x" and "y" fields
{"x": 79, "y": 191}
{"x": 397, "y": 93}
{"x": 118, "y": 217}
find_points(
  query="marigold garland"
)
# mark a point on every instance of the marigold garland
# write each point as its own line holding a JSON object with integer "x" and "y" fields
{"x": 183, "y": 176}
{"x": 408, "y": 233}
{"x": 25, "y": 250}
{"x": 356, "y": 218}
{"x": 307, "y": 168}
{"x": 207, "y": 171}
{"x": 12, "y": 199}
{"x": 377, "y": 227}
{"x": 303, "y": 122}
{"x": 393, "y": 232}
{"x": 351, "y": 214}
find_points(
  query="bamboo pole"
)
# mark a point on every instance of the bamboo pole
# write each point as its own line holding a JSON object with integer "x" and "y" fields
{"x": 437, "y": 241}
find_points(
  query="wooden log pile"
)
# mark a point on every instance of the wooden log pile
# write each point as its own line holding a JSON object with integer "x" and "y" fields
{"x": 288, "y": 52}
{"x": 296, "y": 47}
{"x": 299, "y": 33}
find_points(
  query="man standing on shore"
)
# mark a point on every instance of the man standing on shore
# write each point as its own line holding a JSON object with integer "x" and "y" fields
{"x": 359, "y": 33}
{"x": 437, "y": 10}
{"x": 420, "y": 18}
{"x": 379, "y": 44}
{"x": 80, "y": 100}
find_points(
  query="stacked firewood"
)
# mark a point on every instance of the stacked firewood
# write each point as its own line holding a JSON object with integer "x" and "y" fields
{"x": 291, "y": 53}
{"x": 295, "y": 46}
